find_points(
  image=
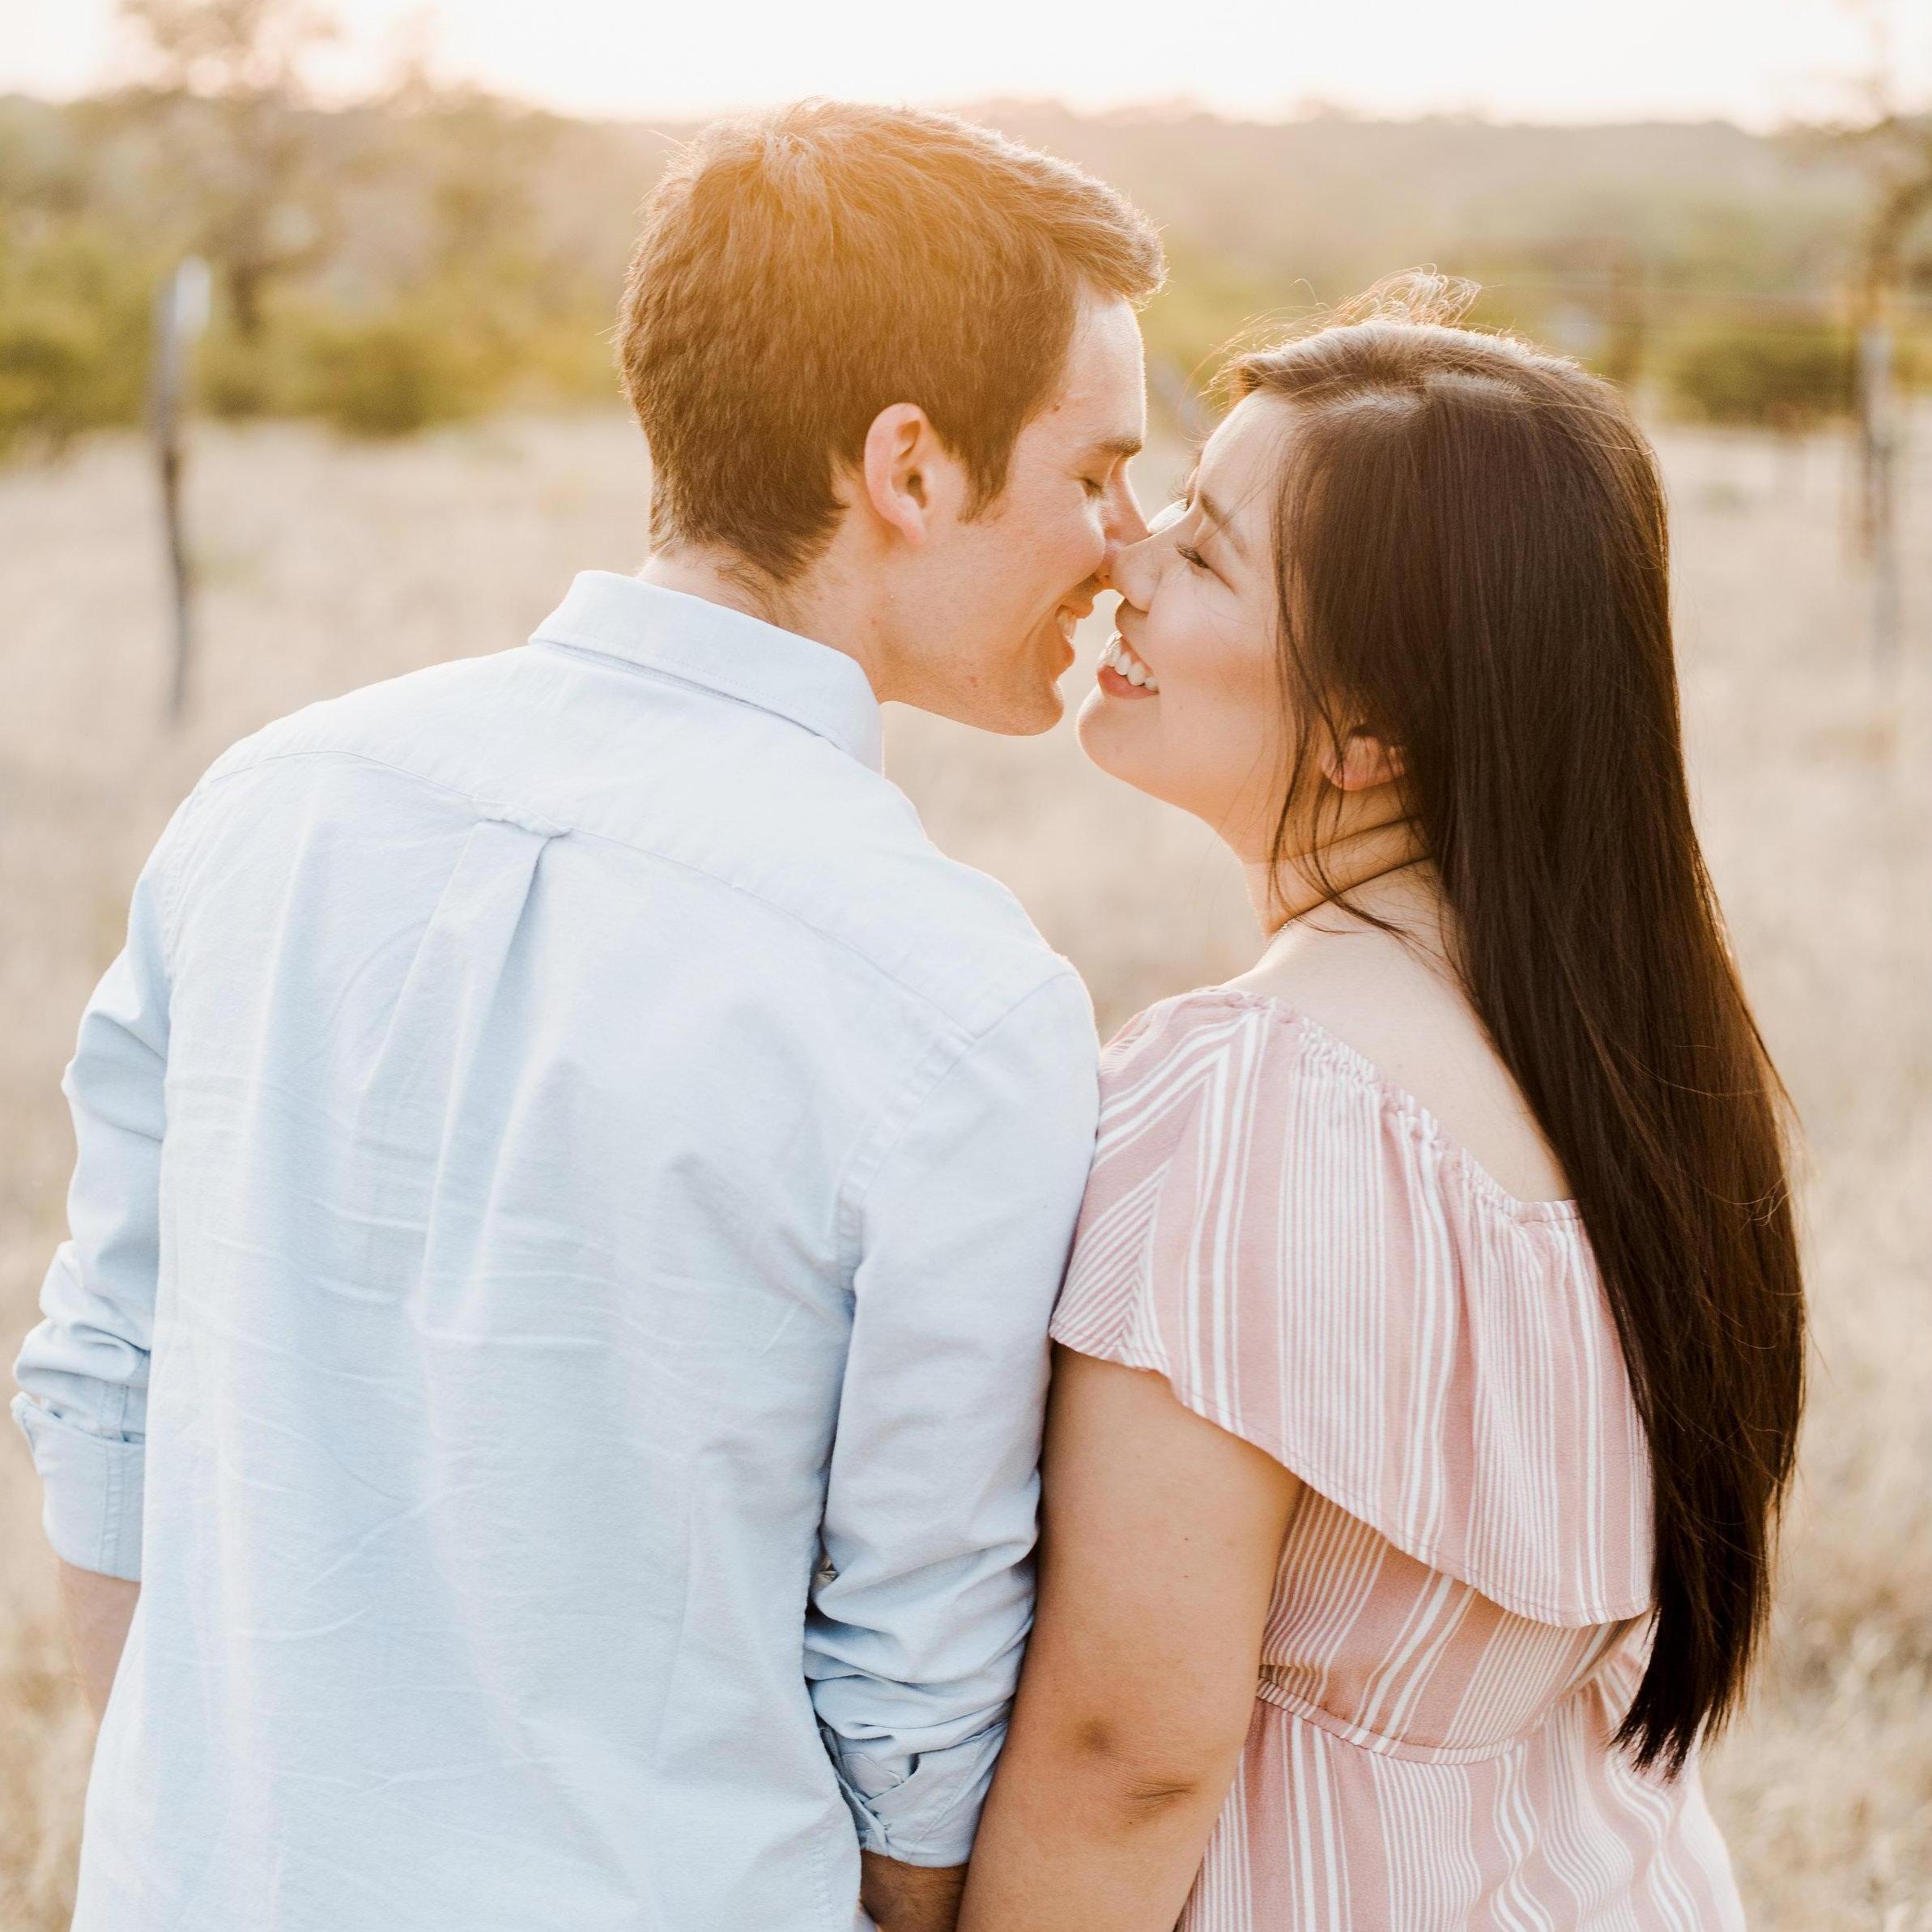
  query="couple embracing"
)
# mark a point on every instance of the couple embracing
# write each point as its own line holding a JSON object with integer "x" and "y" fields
{"x": 542, "y": 1408}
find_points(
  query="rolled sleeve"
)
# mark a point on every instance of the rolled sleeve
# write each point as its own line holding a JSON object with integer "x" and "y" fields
{"x": 90, "y": 1489}
{"x": 83, "y": 1372}
{"x": 927, "y": 1815}
{"x": 919, "y": 1616}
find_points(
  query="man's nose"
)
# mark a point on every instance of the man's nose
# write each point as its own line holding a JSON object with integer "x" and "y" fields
{"x": 1126, "y": 527}
{"x": 1125, "y": 524}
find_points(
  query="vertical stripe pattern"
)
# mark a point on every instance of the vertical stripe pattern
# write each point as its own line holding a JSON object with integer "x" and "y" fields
{"x": 1460, "y": 1611}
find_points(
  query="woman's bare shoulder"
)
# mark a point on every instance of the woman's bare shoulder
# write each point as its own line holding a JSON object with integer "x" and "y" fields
{"x": 1400, "y": 1007}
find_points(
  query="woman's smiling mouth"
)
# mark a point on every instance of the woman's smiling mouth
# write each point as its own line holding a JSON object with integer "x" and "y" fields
{"x": 1122, "y": 674}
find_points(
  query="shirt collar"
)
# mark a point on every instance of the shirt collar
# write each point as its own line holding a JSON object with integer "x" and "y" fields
{"x": 723, "y": 650}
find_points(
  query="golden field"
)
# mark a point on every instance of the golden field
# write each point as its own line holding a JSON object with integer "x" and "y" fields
{"x": 328, "y": 564}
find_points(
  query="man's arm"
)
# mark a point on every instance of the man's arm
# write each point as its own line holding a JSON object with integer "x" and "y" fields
{"x": 82, "y": 1372}
{"x": 910, "y": 1898}
{"x": 99, "y": 1610}
{"x": 961, "y": 1219}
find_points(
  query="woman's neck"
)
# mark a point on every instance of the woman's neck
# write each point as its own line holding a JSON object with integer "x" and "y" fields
{"x": 1360, "y": 866}
{"x": 1382, "y": 880}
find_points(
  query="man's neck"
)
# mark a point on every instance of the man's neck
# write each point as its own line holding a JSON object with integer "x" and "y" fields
{"x": 810, "y": 607}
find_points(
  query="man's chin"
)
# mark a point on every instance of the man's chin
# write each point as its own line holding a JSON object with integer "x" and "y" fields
{"x": 1006, "y": 714}
{"x": 1041, "y": 717}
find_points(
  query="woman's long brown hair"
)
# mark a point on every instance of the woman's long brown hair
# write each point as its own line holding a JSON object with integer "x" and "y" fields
{"x": 1472, "y": 564}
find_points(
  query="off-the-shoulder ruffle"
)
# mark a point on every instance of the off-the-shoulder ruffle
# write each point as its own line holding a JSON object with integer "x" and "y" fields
{"x": 1312, "y": 1265}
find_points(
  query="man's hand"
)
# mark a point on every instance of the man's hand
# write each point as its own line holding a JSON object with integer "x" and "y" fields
{"x": 98, "y": 1611}
{"x": 910, "y": 1898}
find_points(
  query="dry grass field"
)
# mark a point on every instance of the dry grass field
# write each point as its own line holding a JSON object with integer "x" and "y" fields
{"x": 328, "y": 565}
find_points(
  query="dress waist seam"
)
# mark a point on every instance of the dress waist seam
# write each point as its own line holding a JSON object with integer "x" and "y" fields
{"x": 1270, "y": 1691}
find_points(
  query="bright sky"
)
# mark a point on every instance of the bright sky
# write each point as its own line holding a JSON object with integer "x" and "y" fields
{"x": 1761, "y": 61}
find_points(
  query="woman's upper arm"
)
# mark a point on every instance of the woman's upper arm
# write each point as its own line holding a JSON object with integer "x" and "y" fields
{"x": 1161, "y": 1540}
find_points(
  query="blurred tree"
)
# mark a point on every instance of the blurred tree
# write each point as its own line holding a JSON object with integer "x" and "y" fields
{"x": 458, "y": 275}
{"x": 1209, "y": 310}
{"x": 1897, "y": 151}
{"x": 1894, "y": 148}
{"x": 223, "y": 83}
{"x": 1892, "y": 144}
{"x": 484, "y": 242}
{"x": 73, "y": 289}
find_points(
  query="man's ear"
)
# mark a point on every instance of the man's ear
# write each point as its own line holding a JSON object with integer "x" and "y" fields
{"x": 900, "y": 475}
{"x": 1361, "y": 762}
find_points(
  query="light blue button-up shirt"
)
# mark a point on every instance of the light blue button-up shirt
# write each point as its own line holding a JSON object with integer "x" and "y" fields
{"x": 571, "y": 1188}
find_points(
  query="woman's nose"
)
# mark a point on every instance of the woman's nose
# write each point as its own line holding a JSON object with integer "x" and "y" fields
{"x": 1129, "y": 569}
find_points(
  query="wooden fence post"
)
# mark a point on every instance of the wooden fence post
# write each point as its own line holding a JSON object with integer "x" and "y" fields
{"x": 1877, "y": 455}
{"x": 180, "y": 314}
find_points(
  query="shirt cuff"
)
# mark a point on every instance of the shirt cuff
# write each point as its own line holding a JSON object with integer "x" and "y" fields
{"x": 927, "y": 1815}
{"x": 93, "y": 1489}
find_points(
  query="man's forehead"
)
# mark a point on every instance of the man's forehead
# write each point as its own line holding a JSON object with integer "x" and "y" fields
{"x": 1102, "y": 404}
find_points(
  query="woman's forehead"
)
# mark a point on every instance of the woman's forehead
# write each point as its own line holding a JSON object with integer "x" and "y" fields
{"x": 1246, "y": 441}
{"x": 1238, "y": 462}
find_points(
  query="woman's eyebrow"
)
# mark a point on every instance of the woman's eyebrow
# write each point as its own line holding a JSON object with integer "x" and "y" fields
{"x": 1216, "y": 515}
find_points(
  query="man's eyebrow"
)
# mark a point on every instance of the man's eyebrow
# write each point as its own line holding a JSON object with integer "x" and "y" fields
{"x": 1122, "y": 446}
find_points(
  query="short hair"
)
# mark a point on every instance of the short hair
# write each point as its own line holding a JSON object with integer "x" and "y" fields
{"x": 800, "y": 271}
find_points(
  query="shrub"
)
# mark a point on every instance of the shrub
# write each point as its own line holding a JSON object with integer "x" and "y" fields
{"x": 396, "y": 371}
{"x": 1784, "y": 377}
{"x": 73, "y": 335}
{"x": 236, "y": 377}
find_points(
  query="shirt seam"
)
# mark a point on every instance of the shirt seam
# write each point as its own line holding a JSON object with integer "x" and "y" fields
{"x": 897, "y": 1117}
{"x": 723, "y": 687}
{"x": 174, "y": 865}
{"x": 1055, "y": 966}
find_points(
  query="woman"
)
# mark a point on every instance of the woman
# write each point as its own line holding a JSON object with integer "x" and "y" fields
{"x": 1430, "y": 1361}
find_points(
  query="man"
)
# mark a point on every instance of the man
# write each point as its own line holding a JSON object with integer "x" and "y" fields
{"x": 572, "y": 1185}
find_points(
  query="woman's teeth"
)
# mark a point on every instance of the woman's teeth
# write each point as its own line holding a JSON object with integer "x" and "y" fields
{"x": 1116, "y": 657}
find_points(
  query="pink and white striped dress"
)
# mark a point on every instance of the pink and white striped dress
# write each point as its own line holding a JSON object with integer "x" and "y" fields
{"x": 1458, "y": 1617}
